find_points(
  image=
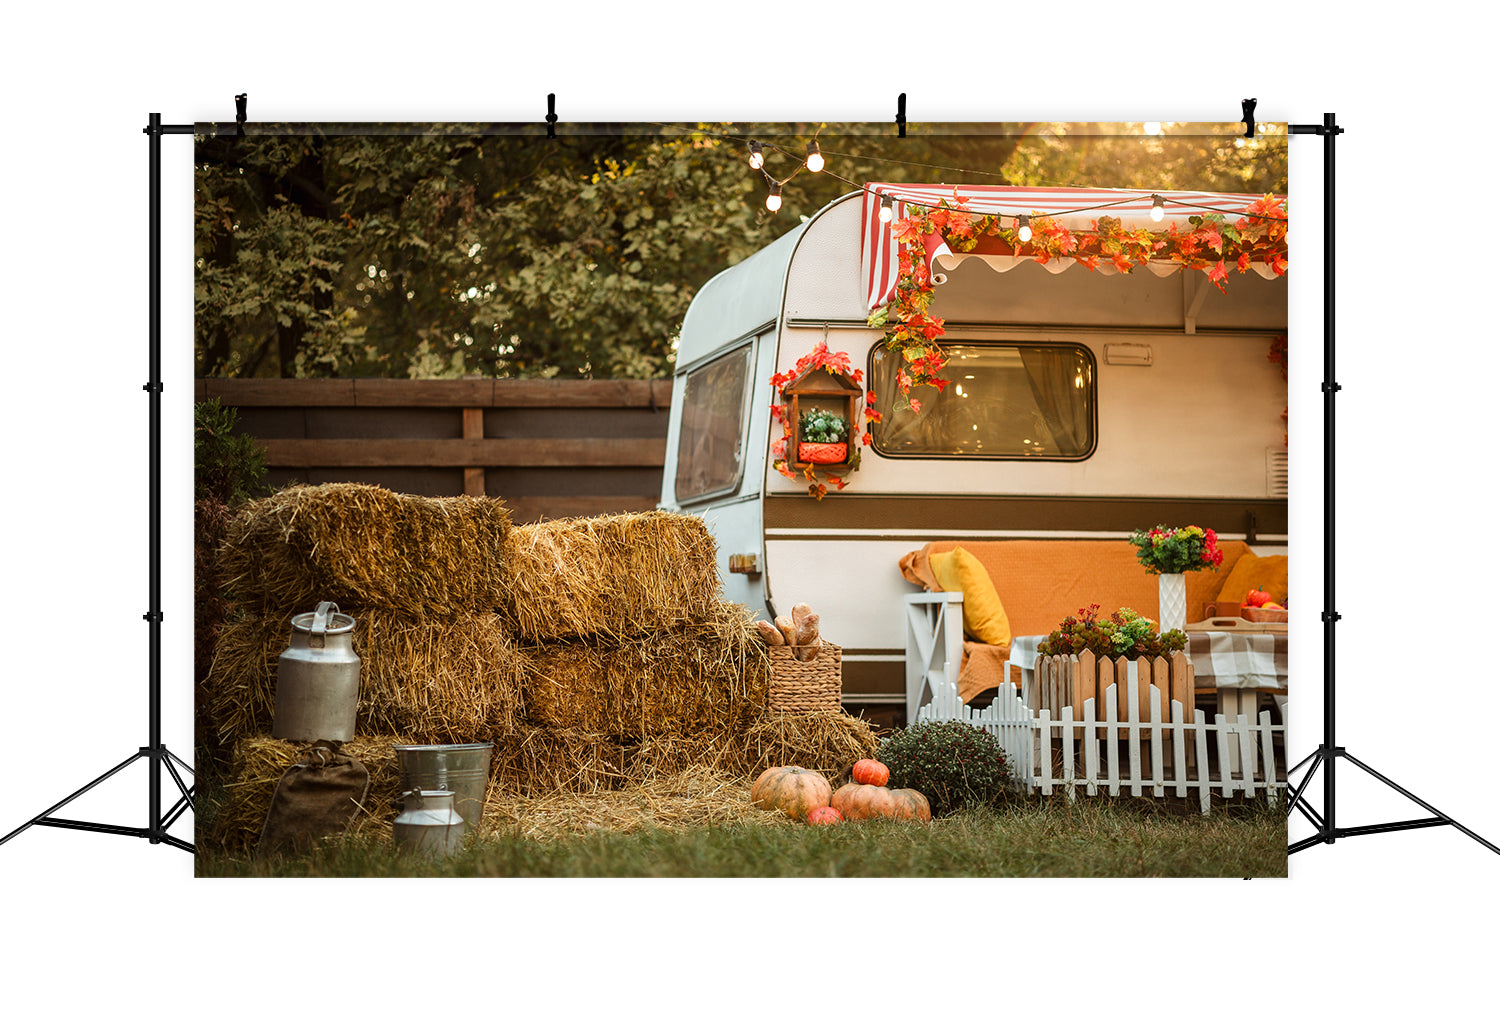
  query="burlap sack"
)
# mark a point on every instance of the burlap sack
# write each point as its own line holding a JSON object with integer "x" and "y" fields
{"x": 317, "y": 797}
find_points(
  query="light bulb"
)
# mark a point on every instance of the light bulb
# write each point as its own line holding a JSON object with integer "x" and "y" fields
{"x": 814, "y": 157}
{"x": 773, "y": 201}
{"x": 1158, "y": 210}
{"x": 757, "y": 158}
{"x": 1023, "y": 228}
{"x": 887, "y": 210}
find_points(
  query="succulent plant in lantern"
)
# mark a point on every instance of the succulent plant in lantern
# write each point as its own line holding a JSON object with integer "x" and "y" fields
{"x": 822, "y": 403}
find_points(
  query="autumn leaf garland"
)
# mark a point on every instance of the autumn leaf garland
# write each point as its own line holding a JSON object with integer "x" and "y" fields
{"x": 1211, "y": 243}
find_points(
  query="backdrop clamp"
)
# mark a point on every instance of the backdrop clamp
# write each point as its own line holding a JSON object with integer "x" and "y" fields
{"x": 552, "y": 115}
{"x": 901, "y": 116}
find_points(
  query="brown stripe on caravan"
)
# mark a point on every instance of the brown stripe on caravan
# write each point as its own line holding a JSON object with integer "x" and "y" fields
{"x": 1252, "y": 518}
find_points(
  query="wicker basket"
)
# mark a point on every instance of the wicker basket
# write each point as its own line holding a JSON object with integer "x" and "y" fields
{"x": 816, "y": 685}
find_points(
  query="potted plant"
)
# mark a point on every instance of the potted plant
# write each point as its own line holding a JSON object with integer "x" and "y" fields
{"x": 822, "y": 437}
{"x": 1085, "y": 643}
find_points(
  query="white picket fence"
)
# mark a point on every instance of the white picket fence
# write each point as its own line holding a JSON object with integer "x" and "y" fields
{"x": 1075, "y": 751}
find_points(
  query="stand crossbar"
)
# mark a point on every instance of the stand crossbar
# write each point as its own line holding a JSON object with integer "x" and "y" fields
{"x": 1329, "y": 753}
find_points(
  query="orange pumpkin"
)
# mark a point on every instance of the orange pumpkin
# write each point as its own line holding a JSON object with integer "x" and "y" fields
{"x": 856, "y": 801}
{"x": 824, "y": 816}
{"x": 871, "y": 772}
{"x": 911, "y": 804}
{"x": 791, "y": 790}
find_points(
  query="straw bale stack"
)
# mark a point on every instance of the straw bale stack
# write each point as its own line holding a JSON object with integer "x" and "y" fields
{"x": 613, "y": 576}
{"x": 709, "y": 676}
{"x": 359, "y": 545}
{"x": 449, "y": 680}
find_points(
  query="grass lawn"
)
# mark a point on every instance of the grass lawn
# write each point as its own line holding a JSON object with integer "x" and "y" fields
{"x": 1022, "y": 838}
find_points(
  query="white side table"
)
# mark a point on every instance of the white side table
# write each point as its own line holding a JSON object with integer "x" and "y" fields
{"x": 934, "y": 645}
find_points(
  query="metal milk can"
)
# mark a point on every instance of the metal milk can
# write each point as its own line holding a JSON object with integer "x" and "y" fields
{"x": 428, "y": 823}
{"x": 317, "y": 678}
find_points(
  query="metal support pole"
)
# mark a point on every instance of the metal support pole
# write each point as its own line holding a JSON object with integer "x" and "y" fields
{"x": 155, "y": 753}
{"x": 1329, "y": 753}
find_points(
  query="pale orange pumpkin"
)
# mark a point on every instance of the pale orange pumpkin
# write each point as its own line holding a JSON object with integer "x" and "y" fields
{"x": 911, "y": 804}
{"x": 791, "y": 790}
{"x": 824, "y": 816}
{"x": 856, "y": 801}
{"x": 871, "y": 772}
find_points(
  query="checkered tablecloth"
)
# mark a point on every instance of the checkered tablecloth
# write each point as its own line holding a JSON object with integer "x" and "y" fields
{"x": 1221, "y": 661}
{"x": 1238, "y": 661}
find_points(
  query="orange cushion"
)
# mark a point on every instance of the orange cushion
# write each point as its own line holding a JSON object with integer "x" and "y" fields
{"x": 1256, "y": 572}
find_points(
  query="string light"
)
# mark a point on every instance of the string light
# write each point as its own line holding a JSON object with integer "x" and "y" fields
{"x": 1158, "y": 208}
{"x": 757, "y": 158}
{"x": 1023, "y": 228}
{"x": 814, "y": 157}
{"x": 773, "y": 201}
{"x": 887, "y": 209}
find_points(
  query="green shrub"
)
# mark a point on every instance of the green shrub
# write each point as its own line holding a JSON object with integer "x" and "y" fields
{"x": 952, "y": 764}
{"x": 227, "y": 466}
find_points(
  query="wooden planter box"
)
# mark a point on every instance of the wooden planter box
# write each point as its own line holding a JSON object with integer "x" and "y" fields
{"x": 816, "y": 685}
{"x": 1068, "y": 680}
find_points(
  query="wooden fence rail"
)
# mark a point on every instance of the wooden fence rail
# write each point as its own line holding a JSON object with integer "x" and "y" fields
{"x": 548, "y": 448}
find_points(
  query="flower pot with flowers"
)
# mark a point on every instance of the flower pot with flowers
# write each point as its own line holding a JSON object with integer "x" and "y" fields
{"x": 1170, "y": 552}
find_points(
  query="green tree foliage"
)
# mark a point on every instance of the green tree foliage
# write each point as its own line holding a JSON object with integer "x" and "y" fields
{"x": 457, "y": 250}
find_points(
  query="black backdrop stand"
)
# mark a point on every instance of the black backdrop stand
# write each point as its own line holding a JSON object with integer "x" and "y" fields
{"x": 1327, "y": 755}
{"x": 1330, "y": 753}
{"x": 158, "y": 756}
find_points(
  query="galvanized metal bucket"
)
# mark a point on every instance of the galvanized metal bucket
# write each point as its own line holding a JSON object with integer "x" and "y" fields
{"x": 462, "y": 768}
{"x": 317, "y": 678}
{"x": 428, "y": 824}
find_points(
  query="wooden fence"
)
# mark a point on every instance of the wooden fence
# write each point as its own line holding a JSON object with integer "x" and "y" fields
{"x": 548, "y": 448}
{"x": 1143, "y": 745}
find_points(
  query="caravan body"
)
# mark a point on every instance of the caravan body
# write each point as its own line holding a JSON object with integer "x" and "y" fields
{"x": 1083, "y": 405}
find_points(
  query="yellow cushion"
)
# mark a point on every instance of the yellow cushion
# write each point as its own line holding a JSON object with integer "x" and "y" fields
{"x": 1254, "y": 572}
{"x": 984, "y": 617}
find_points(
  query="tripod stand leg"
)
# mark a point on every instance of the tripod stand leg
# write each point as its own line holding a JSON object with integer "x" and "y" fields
{"x": 40, "y": 819}
{"x": 1422, "y": 803}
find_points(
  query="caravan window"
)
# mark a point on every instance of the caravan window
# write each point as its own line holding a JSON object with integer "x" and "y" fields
{"x": 1004, "y": 401}
{"x": 710, "y": 451}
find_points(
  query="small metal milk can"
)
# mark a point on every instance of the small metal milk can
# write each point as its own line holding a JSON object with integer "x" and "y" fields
{"x": 317, "y": 678}
{"x": 428, "y": 823}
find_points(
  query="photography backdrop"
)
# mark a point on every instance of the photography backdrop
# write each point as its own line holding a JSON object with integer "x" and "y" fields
{"x": 329, "y": 251}
{"x": 1414, "y": 896}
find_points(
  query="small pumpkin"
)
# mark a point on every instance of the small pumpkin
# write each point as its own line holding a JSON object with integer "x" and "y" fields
{"x": 871, "y": 772}
{"x": 857, "y": 801}
{"x": 824, "y": 815}
{"x": 791, "y": 790}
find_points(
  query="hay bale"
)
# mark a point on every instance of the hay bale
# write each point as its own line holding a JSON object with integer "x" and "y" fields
{"x": 256, "y": 765}
{"x": 611, "y": 576}
{"x": 533, "y": 760}
{"x": 709, "y": 677}
{"x": 823, "y": 741}
{"x": 364, "y": 546}
{"x": 454, "y": 680}
{"x": 667, "y": 755}
{"x": 696, "y": 797}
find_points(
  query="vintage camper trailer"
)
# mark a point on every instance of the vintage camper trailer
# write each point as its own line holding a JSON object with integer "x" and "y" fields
{"x": 1082, "y": 404}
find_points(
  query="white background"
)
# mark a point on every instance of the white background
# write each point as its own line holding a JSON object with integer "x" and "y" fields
{"x": 1373, "y": 928}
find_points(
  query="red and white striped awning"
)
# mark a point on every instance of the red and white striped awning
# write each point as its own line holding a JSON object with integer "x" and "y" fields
{"x": 1071, "y": 207}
